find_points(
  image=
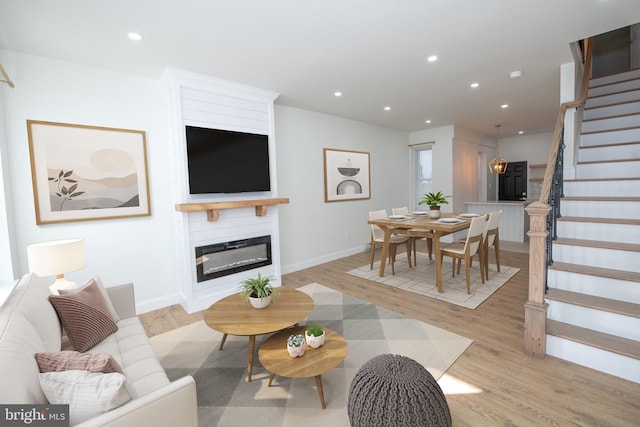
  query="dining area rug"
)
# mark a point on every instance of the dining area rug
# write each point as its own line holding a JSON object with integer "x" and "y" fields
{"x": 225, "y": 398}
{"x": 421, "y": 279}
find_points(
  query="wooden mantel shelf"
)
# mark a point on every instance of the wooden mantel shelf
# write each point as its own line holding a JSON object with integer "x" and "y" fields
{"x": 213, "y": 208}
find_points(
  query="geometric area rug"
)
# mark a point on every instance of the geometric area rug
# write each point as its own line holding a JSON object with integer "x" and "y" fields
{"x": 421, "y": 279}
{"x": 225, "y": 398}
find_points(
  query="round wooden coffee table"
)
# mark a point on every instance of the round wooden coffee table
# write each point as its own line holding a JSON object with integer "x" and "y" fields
{"x": 275, "y": 358}
{"x": 233, "y": 316}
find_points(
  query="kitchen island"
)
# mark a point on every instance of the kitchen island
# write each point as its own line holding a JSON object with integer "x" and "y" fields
{"x": 514, "y": 223}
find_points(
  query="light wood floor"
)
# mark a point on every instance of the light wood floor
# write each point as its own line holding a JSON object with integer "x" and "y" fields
{"x": 512, "y": 389}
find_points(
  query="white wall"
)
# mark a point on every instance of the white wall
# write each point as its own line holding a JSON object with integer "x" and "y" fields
{"x": 142, "y": 250}
{"x": 313, "y": 231}
{"x": 118, "y": 250}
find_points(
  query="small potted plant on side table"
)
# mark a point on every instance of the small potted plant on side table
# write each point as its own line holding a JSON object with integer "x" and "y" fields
{"x": 295, "y": 345}
{"x": 258, "y": 290}
{"x": 314, "y": 335}
{"x": 434, "y": 200}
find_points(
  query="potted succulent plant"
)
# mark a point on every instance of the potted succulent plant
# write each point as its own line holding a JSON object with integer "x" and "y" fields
{"x": 258, "y": 291}
{"x": 295, "y": 345}
{"x": 434, "y": 200}
{"x": 314, "y": 335}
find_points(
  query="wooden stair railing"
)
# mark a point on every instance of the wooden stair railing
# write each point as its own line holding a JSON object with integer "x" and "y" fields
{"x": 535, "y": 309}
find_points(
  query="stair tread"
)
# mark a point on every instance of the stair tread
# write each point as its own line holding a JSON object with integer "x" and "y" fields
{"x": 593, "y": 132}
{"x": 608, "y": 161}
{"x": 623, "y": 346}
{"x": 595, "y": 107}
{"x": 617, "y": 92}
{"x": 615, "y": 144}
{"x": 598, "y": 220}
{"x": 610, "y": 273}
{"x": 602, "y": 198}
{"x": 598, "y": 244}
{"x": 598, "y": 303}
{"x": 613, "y": 116}
{"x": 602, "y": 179}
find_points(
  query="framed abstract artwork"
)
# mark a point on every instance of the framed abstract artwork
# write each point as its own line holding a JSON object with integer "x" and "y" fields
{"x": 85, "y": 173}
{"x": 346, "y": 175}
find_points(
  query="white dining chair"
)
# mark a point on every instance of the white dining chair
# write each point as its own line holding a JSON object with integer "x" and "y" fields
{"x": 377, "y": 239}
{"x": 492, "y": 238}
{"x": 405, "y": 211}
{"x": 473, "y": 245}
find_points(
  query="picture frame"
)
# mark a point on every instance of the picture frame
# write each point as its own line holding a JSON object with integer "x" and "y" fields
{"x": 346, "y": 175}
{"x": 86, "y": 173}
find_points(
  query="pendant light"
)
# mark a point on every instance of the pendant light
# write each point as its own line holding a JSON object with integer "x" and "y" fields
{"x": 498, "y": 165}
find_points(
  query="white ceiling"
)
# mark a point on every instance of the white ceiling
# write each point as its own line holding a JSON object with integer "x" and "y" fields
{"x": 374, "y": 51}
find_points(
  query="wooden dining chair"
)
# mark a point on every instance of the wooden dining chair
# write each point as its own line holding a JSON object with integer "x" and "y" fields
{"x": 492, "y": 238}
{"x": 405, "y": 211}
{"x": 377, "y": 239}
{"x": 473, "y": 245}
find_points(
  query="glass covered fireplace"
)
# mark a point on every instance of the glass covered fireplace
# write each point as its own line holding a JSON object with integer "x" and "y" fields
{"x": 222, "y": 259}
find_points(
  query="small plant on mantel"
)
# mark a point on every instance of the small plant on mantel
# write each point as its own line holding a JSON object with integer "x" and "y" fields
{"x": 258, "y": 288}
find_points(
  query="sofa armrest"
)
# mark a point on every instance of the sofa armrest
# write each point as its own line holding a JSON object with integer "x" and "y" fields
{"x": 173, "y": 405}
{"x": 123, "y": 299}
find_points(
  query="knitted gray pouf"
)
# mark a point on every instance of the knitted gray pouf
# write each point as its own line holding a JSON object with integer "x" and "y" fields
{"x": 394, "y": 390}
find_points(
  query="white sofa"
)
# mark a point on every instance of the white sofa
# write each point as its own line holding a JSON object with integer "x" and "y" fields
{"x": 29, "y": 324}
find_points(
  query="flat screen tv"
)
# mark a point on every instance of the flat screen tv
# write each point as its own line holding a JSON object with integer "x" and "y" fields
{"x": 222, "y": 161}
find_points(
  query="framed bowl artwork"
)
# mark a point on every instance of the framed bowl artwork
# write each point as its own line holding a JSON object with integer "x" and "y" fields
{"x": 346, "y": 175}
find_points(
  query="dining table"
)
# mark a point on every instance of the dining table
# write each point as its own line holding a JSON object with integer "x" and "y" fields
{"x": 421, "y": 225}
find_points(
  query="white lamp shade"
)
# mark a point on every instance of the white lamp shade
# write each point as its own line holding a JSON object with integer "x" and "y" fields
{"x": 56, "y": 257}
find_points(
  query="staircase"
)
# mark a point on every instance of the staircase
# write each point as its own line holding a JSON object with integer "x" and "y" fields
{"x": 594, "y": 283}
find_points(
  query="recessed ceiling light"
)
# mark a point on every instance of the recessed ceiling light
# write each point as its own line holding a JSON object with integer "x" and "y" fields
{"x": 504, "y": 106}
{"x": 474, "y": 84}
{"x": 337, "y": 93}
{"x": 427, "y": 121}
{"x": 387, "y": 108}
{"x": 432, "y": 58}
{"x": 520, "y": 132}
{"x": 134, "y": 36}
{"x": 515, "y": 74}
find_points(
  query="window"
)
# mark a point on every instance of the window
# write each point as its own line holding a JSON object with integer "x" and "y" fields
{"x": 422, "y": 173}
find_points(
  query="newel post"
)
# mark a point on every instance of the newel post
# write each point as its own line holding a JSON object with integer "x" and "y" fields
{"x": 535, "y": 309}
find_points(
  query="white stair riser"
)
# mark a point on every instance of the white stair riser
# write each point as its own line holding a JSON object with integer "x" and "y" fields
{"x": 602, "y": 321}
{"x": 616, "y": 152}
{"x": 622, "y": 86}
{"x": 602, "y": 188}
{"x": 605, "y": 232}
{"x": 612, "y": 110}
{"x": 604, "y": 287}
{"x": 613, "y": 78}
{"x": 611, "y": 123}
{"x": 589, "y": 209}
{"x": 594, "y": 358}
{"x": 615, "y": 137}
{"x": 629, "y": 169}
{"x": 597, "y": 257}
{"x": 614, "y": 98}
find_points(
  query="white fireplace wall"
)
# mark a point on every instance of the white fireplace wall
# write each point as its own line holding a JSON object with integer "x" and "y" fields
{"x": 202, "y": 101}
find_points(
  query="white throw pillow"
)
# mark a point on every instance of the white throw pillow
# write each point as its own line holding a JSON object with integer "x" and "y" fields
{"x": 88, "y": 394}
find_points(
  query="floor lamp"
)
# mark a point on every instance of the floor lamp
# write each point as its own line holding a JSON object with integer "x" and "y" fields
{"x": 55, "y": 258}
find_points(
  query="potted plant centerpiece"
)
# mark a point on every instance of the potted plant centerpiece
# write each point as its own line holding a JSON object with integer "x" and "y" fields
{"x": 314, "y": 335}
{"x": 295, "y": 345}
{"x": 258, "y": 290}
{"x": 434, "y": 200}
